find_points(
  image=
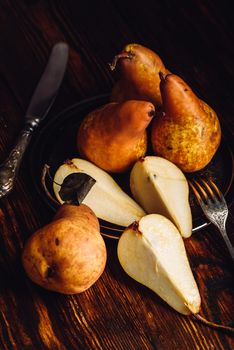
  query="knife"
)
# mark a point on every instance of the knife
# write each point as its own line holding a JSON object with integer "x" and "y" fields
{"x": 40, "y": 104}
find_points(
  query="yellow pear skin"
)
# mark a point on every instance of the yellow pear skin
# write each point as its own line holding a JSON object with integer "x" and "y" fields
{"x": 114, "y": 136}
{"x": 68, "y": 255}
{"x": 188, "y": 133}
{"x": 139, "y": 75}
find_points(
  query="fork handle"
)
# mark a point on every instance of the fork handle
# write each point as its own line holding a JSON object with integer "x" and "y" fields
{"x": 227, "y": 242}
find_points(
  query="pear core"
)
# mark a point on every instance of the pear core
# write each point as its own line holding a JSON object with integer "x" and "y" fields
{"x": 154, "y": 254}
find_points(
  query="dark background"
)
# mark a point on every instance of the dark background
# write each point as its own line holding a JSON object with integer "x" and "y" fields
{"x": 195, "y": 40}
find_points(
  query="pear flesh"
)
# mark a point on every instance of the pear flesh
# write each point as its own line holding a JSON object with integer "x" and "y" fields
{"x": 152, "y": 252}
{"x": 160, "y": 187}
{"x": 108, "y": 201}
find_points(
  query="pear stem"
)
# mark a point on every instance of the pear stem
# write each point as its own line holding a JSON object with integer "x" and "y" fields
{"x": 162, "y": 76}
{"x": 46, "y": 172}
{"x": 212, "y": 324}
{"x": 127, "y": 55}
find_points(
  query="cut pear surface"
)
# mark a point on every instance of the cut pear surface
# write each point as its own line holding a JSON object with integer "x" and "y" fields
{"x": 108, "y": 201}
{"x": 160, "y": 187}
{"x": 152, "y": 252}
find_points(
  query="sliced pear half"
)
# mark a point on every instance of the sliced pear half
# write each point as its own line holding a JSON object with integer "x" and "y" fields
{"x": 160, "y": 187}
{"x": 108, "y": 201}
{"x": 152, "y": 252}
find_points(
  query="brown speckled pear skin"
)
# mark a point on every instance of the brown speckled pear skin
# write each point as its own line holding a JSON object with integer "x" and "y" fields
{"x": 114, "y": 136}
{"x": 189, "y": 133}
{"x": 139, "y": 75}
{"x": 68, "y": 255}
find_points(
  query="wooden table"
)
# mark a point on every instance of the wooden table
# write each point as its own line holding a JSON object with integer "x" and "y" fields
{"x": 195, "y": 40}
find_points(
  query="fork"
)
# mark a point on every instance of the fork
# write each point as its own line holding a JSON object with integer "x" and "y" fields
{"x": 214, "y": 207}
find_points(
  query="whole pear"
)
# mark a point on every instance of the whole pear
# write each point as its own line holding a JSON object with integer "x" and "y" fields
{"x": 188, "y": 133}
{"x": 114, "y": 136}
{"x": 68, "y": 255}
{"x": 139, "y": 75}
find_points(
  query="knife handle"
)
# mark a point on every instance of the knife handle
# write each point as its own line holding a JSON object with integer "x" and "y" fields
{"x": 9, "y": 168}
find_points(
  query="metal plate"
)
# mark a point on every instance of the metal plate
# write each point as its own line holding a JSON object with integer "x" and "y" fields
{"x": 56, "y": 141}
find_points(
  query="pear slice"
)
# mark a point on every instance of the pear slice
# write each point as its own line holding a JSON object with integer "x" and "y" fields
{"x": 160, "y": 187}
{"x": 152, "y": 252}
{"x": 108, "y": 201}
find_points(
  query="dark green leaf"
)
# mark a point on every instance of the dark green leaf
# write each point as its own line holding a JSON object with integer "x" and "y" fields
{"x": 75, "y": 187}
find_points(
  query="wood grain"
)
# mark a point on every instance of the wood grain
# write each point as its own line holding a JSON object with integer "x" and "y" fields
{"x": 195, "y": 40}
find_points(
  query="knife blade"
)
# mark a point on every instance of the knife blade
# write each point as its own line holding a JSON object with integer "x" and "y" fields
{"x": 48, "y": 86}
{"x": 40, "y": 104}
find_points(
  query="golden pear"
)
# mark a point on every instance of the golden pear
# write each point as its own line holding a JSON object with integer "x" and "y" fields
{"x": 188, "y": 133}
{"x": 68, "y": 255}
{"x": 139, "y": 75}
{"x": 114, "y": 136}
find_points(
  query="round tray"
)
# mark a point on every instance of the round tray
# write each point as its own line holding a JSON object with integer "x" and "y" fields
{"x": 55, "y": 142}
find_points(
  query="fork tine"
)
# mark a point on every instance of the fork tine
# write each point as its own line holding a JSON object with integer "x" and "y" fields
{"x": 218, "y": 192}
{"x": 194, "y": 190}
{"x": 201, "y": 190}
{"x": 208, "y": 187}
{"x": 197, "y": 194}
{"x": 213, "y": 190}
{"x": 214, "y": 207}
{"x": 213, "y": 194}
